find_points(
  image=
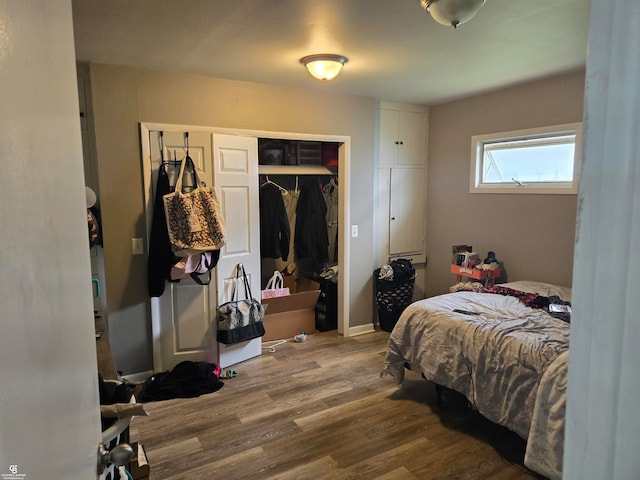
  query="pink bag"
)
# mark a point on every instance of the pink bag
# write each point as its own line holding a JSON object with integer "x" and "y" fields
{"x": 274, "y": 287}
{"x": 194, "y": 265}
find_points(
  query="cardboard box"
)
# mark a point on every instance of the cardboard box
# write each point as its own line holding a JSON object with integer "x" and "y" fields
{"x": 289, "y": 281}
{"x": 287, "y": 316}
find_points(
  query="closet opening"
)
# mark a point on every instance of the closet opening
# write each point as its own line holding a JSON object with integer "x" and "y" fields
{"x": 230, "y": 162}
{"x": 299, "y": 238}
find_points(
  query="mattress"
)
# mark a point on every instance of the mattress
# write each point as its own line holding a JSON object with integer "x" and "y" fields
{"x": 497, "y": 351}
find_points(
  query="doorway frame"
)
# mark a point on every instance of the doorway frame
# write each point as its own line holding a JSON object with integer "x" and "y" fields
{"x": 344, "y": 174}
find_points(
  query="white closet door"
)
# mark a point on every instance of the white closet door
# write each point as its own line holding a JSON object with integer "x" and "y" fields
{"x": 182, "y": 316}
{"x": 236, "y": 184}
{"x": 407, "y": 211}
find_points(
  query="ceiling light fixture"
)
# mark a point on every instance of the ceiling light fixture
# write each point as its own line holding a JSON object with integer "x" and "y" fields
{"x": 325, "y": 66}
{"x": 452, "y": 12}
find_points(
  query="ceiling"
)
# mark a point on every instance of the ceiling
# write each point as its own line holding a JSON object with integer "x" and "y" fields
{"x": 396, "y": 51}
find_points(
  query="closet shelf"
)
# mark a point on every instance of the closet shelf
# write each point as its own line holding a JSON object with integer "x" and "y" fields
{"x": 294, "y": 170}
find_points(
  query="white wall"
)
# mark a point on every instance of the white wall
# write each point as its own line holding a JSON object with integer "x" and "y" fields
{"x": 49, "y": 416}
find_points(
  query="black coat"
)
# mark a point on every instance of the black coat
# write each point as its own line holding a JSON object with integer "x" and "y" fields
{"x": 311, "y": 241}
{"x": 275, "y": 231}
{"x": 161, "y": 257}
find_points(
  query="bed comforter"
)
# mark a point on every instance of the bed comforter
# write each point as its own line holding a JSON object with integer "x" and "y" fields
{"x": 509, "y": 360}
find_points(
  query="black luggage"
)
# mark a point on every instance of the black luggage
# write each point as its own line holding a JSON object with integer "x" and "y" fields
{"x": 327, "y": 306}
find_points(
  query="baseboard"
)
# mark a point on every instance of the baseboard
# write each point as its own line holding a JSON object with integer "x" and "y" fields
{"x": 138, "y": 377}
{"x": 361, "y": 329}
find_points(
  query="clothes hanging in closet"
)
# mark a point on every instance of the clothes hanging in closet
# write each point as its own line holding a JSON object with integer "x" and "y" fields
{"x": 330, "y": 193}
{"x": 274, "y": 224}
{"x": 311, "y": 241}
{"x": 290, "y": 204}
{"x": 161, "y": 257}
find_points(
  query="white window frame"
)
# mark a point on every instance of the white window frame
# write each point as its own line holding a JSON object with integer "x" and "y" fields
{"x": 477, "y": 153}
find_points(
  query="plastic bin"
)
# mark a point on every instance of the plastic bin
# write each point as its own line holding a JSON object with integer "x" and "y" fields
{"x": 392, "y": 297}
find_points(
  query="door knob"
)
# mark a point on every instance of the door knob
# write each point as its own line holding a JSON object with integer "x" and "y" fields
{"x": 119, "y": 455}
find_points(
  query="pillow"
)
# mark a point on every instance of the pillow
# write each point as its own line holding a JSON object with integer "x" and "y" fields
{"x": 541, "y": 288}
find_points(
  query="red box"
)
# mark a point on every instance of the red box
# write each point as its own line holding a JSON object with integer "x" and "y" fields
{"x": 475, "y": 273}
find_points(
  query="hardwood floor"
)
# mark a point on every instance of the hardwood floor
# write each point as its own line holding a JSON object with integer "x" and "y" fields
{"x": 320, "y": 410}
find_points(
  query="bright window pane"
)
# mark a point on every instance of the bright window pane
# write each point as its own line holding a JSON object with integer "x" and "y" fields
{"x": 537, "y": 160}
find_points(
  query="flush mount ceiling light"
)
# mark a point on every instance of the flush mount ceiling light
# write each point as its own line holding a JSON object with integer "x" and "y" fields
{"x": 324, "y": 66}
{"x": 452, "y": 12}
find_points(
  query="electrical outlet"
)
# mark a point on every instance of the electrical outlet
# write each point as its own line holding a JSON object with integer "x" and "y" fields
{"x": 354, "y": 231}
{"x": 137, "y": 246}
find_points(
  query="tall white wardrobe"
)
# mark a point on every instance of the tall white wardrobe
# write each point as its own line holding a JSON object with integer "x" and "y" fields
{"x": 401, "y": 179}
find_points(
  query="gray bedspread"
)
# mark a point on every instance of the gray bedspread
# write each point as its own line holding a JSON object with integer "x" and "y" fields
{"x": 497, "y": 359}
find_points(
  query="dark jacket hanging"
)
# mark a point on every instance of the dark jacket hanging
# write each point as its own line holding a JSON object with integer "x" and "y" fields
{"x": 311, "y": 242}
{"x": 161, "y": 258}
{"x": 275, "y": 231}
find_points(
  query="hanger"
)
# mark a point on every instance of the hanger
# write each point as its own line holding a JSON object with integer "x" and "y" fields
{"x": 282, "y": 189}
{"x": 167, "y": 163}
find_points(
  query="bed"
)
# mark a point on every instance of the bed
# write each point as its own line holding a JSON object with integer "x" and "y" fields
{"x": 504, "y": 351}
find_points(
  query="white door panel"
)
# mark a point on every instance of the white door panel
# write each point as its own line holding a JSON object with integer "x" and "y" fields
{"x": 183, "y": 318}
{"x": 234, "y": 160}
{"x": 190, "y": 316}
{"x": 413, "y": 128}
{"x": 388, "y": 137}
{"x": 381, "y": 200}
{"x": 175, "y": 148}
{"x": 407, "y": 207}
{"x": 236, "y": 182}
{"x": 234, "y": 202}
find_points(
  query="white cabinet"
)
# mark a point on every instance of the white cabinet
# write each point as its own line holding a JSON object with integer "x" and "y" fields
{"x": 401, "y": 136}
{"x": 406, "y": 210}
{"x": 400, "y": 212}
{"x": 400, "y": 190}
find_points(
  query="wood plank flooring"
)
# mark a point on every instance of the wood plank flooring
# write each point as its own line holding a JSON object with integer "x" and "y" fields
{"x": 320, "y": 410}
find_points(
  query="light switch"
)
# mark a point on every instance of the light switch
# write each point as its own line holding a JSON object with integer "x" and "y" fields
{"x": 137, "y": 246}
{"x": 354, "y": 231}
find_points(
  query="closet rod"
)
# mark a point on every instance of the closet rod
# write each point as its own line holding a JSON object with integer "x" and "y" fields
{"x": 294, "y": 170}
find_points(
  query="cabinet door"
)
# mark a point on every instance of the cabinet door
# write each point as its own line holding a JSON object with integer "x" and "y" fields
{"x": 412, "y": 132}
{"x": 381, "y": 198}
{"x": 388, "y": 137}
{"x": 402, "y": 138}
{"x": 407, "y": 210}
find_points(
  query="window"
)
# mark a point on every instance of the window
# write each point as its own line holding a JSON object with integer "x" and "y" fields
{"x": 539, "y": 160}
